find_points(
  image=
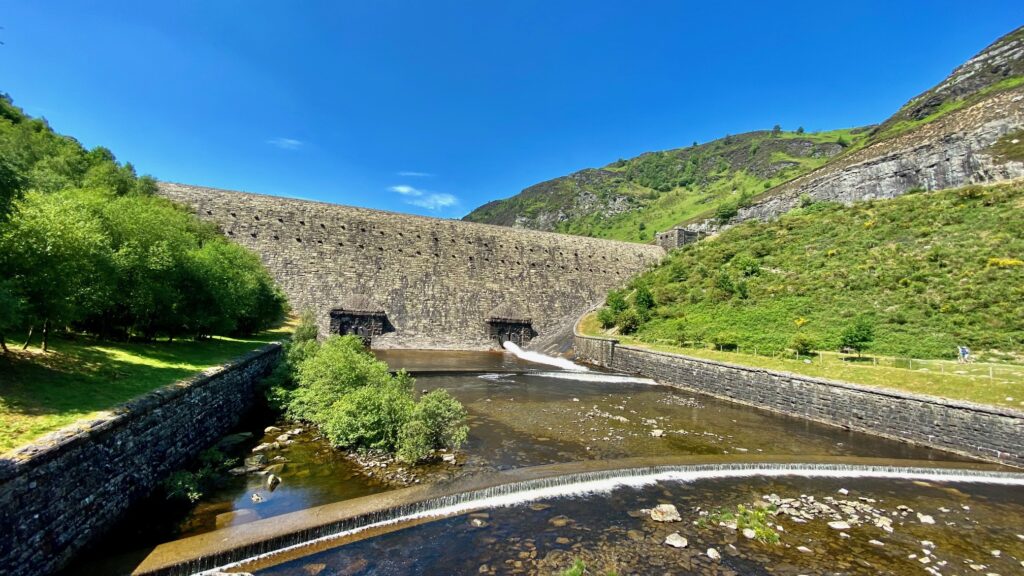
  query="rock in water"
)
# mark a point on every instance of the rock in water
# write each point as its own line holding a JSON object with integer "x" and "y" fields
{"x": 925, "y": 519}
{"x": 714, "y": 555}
{"x": 272, "y": 481}
{"x": 749, "y": 533}
{"x": 675, "y": 540}
{"x": 665, "y": 513}
{"x": 839, "y": 525}
{"x": 657, "y": 433}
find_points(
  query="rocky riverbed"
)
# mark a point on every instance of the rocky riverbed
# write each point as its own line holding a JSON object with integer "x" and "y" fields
{"x": 824, "y": 526}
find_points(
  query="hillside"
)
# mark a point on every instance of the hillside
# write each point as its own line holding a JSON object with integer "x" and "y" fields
{"x": 928, "y": 271}
{"x": 939, "y": 139}
{"x": 631, "y": 199}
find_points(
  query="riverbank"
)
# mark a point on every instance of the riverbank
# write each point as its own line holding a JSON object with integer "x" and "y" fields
{"x": 991, "y": 384}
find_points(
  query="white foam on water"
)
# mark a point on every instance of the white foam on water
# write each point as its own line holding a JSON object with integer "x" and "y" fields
{"x": 537, "y": 357}
{"x": 596, "y": 377}
{"x": 495, "y": 377}
{"x": 524, "y": 492}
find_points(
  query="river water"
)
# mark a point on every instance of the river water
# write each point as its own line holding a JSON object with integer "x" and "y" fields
{"x": 525, "y": 414}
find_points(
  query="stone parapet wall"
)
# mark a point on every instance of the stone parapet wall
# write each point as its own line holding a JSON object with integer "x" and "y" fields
{"x": 60, "y": 493}
{"x": 436, "y": 279}
{"x": 985, "y": 432}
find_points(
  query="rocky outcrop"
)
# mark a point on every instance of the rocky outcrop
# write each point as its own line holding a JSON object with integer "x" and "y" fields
{"x": 953, "y": 151}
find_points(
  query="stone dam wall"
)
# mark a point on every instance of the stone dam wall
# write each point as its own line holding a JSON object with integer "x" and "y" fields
{"x": 984, "y": 432}
{"x": 437, "y": 280}
{"x": 949, "y": 152}
{"x": 60, "y": 493}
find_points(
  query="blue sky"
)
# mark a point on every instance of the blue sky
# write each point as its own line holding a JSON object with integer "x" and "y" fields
{"x": 437, "y": 107}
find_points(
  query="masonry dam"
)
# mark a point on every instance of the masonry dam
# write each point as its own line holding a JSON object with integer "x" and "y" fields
{"x": 416, "y": 282}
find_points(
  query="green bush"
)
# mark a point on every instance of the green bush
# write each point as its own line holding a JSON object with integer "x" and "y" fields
{"x": 357, "y": 403}
{"x": 606, "y": 317}
{"x": 802, "y": 344}
{"x": 857, "y": 336}
{"x": 437, "y": 421}
{"x": 616, "y": 301}
{"x": 627, "y": 321}
{"x": 369, "y": 417}
{"x": 340, "y": 365}
{"x": 207, "y": 473}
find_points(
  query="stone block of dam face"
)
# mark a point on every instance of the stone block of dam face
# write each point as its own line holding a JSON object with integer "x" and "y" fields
{"x": 436, "y": 280}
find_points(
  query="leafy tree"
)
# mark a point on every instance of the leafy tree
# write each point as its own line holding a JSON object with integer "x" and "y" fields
{"x": 58, "y": 256}
{"x": 12, "y": 309}
{"x": 776, "y": 130}
{"x": 858, "y": 336}
{"x": 800, "y": 130}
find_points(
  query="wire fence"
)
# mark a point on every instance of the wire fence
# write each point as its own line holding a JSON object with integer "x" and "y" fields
{"x": 1001, "y": 372}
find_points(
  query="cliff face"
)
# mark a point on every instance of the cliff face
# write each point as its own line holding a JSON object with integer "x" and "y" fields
{"x": 955, "y": 150}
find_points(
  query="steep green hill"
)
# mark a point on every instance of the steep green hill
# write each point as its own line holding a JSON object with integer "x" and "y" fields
{"x": 927, "y": 271}
{"x": 632, "y": 199}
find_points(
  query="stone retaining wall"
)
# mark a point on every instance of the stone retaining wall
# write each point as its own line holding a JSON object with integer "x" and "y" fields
{"x": 60, "y": 493}
{"x": 985, "y": 432}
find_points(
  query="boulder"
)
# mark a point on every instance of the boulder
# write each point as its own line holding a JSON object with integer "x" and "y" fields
{"x": 676, "y": 540}
{"x": 665, "y": 513}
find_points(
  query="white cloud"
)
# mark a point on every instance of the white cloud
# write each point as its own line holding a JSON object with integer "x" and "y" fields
{"x": 413, "y": 174}
{"x": 286, "y": 143}
{"x": 425, "y": 199}
{"x": 406, "y": 190}
{"x": 434, "y": 201}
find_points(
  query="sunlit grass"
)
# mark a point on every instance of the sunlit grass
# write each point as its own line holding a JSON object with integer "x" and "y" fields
{"x": 932, "y": 377}
{"x": 81, "y": 378}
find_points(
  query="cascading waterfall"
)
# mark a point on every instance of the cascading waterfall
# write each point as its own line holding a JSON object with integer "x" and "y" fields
{"x": 515, "y": 493}
{"x": 537, "y": 357}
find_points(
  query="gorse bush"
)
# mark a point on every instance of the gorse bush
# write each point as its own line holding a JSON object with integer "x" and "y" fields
{"x": 357, "y": 403}
{"x": 84, "y": 243}
{"x": 933, "y": 270}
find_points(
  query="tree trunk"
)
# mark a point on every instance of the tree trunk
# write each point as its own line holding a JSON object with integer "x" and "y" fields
{"x": 46, "y": 334}
{"x": 29, "y": 337}
{"x": 3, "y": 344}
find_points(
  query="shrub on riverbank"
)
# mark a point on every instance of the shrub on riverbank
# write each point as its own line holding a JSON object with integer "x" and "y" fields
{"x": 359, "y": 404}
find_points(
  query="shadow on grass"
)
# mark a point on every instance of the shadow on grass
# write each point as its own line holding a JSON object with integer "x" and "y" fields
{"x": 80, "y": 377}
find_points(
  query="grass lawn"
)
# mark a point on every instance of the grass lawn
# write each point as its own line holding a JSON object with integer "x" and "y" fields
{"x": 933, "y": 377}
{"x": 82, "y": 378}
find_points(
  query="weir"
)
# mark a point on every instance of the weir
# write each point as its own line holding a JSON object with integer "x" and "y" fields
{"x": 270, "y": 541}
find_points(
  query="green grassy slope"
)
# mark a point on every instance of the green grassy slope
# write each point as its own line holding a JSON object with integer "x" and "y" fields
{"x": 928, "y": 270}
{"x": 82, "y": 378}
{"x": 632, "y": 199}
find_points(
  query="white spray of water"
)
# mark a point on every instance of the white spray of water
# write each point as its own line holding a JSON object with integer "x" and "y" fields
{"x": 608, "y": 484}
{"x": 596, "y": 377}
{"x": 537, "y": 357}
